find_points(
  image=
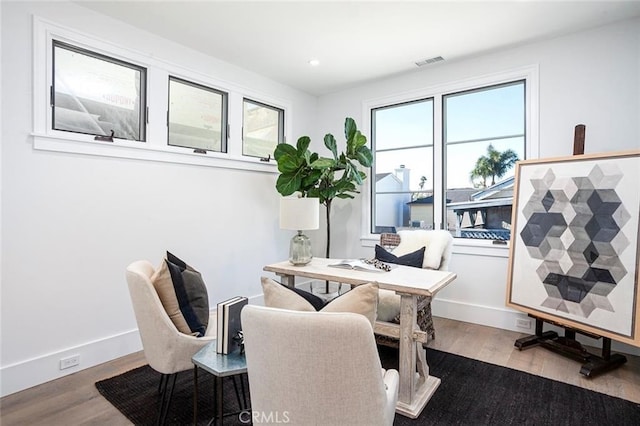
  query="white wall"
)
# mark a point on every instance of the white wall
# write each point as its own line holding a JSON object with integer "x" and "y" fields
{"x": 72, "y": 223}
{"x": 591, "y": 77}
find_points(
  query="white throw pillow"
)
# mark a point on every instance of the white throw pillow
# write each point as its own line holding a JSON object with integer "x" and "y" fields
{"x": 436, "y": 243}
{"x": 362, "y": 299}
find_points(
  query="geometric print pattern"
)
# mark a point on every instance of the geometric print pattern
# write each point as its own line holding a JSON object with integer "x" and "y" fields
{"x": 573, "y": 226}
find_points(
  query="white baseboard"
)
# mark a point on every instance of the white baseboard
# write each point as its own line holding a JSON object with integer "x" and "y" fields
{"x": 506, "y": 318}
{"x": 35, "y": 371}
{"x": 25, "y": 374}
{"x": 491, "y": 316}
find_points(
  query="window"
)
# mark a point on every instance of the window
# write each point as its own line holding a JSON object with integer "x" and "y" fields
{"x": 446, "y": 158}
{"x": 484, "y": 135}
{"x": 402, "y": 139}
{"x": 197, "y": 116}
{"x": 263, "y": 129}
{"x": 85, "y": 87}
{"x": 97, "y": 95}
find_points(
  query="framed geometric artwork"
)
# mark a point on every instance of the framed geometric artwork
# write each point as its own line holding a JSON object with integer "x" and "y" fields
{"x": 574, "y": 243}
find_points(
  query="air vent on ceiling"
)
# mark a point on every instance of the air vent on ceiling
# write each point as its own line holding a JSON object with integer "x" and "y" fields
{"x": 429, "y": 61}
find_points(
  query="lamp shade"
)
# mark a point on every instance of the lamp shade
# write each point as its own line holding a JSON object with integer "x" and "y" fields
{"x": 299, "y": 214}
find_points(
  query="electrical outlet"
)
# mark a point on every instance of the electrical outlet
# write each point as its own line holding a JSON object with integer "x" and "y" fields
{"x": 523, "y": 323}
{"x": 70, "y": 361}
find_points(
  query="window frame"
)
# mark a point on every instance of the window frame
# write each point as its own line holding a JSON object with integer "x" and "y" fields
{"x": 469, "y": 246}
{"x": 142, "y": 113}
{"x": 374, "y": 151}
{"x": 445, "y": 143}
{"x": 155, "y": 148}
{"x": 224, "y": 116}
{"x": 281, "y": 122}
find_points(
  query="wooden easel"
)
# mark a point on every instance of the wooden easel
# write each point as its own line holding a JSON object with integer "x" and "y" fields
{"x": 567, "y": 345}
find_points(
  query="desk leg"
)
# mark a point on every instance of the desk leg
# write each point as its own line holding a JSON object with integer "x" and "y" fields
{"x": 407, "y": 361}
{"x": 288, "y": 280}
{"x": 415, "y": 387}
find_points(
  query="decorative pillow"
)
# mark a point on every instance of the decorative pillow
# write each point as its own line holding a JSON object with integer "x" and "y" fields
{"x": 388, "y": 305}
{"x": 183, "y": 295}
{"x": 280, "y": 296}
{"x": 410, "y": 259}
{"x": 362, "y": 299}
{"x": 389, "y": 301}
{"x": 436, "y": 243}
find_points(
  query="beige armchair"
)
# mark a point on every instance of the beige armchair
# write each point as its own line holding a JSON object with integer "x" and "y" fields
{"x": 167, "y": 350}
{"x": 312, "y": 368}
{"x": 437, "y": 254}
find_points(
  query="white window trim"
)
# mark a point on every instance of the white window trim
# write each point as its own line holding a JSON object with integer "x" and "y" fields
{"x": 532, "y": 146}
{"x": 155, "y": 148}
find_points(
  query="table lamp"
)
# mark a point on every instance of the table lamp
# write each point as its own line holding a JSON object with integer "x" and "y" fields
{"x": 299, "y": 214}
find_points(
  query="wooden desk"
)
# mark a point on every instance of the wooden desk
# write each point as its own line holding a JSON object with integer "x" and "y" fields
{"x": 414, "y": 390}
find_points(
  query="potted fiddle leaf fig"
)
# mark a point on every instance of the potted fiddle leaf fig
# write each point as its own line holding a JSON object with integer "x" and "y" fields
{"x": 325, "y": 178}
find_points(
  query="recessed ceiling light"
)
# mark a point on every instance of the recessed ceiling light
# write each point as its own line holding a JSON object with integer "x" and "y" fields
{"x": 314, "y": 62}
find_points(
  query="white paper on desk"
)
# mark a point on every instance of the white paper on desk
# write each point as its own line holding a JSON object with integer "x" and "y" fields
{"x": 356, "y": 264}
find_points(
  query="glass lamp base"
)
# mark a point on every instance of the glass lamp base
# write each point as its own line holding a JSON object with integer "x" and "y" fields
{"x": 300, "y": 249}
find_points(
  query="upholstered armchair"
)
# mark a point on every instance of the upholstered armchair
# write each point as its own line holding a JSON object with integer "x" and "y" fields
{"x": 316, "y": 368}
{"x": 167, "y": 350}
{"x": 438, "y": 245}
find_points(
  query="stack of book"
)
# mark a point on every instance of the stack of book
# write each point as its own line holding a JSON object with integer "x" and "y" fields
{"x": 228, "y": 338}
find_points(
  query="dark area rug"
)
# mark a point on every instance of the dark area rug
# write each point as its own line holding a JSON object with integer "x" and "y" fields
{"x": 471, "y": 393}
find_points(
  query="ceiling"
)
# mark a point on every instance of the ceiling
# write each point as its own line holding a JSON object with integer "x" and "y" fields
{"x": 356, "y": 41}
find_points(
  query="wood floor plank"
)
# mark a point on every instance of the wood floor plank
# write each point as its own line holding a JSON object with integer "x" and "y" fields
{"x": 73, "y": 399}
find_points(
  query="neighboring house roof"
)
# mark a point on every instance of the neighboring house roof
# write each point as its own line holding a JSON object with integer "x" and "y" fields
{"x": 500, "y": 194}
{"x": 494, "y": 191}
{"x": 380, "y": 176}
{"x": 388, "y": 183}
{"x": 424, "y": 200}
{"x": 456, "y": 195}
{"x": 471, "y": 205}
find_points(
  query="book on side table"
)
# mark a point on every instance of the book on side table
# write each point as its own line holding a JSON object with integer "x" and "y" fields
{"x": 229, "y": 324}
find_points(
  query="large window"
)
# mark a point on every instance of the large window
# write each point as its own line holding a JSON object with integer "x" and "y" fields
{"x": 262, "y": 129}
{"x": 484, "y": 135}
{"x": 197, "y": 116}
{"x": 402, "y": 139}
{"x": 97, "y": 95}
{"x": 457, "y": 175}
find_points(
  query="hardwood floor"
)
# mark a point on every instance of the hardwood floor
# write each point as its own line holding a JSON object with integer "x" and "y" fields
{"x": 495, "y": 346}
{"x": 74, "y": 400}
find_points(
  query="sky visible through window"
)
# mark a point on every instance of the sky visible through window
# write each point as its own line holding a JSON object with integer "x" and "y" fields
{"x": 495, "y": 113}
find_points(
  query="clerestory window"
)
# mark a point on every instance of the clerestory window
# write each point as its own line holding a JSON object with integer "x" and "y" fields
{"x": 262, "y": 128}
{"x": 97, "y": 95}
{"x": 197, "y": 117}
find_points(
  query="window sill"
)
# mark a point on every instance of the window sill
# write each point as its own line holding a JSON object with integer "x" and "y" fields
{"x": 461, "y": 246}
{"x": 143, "y": 151}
